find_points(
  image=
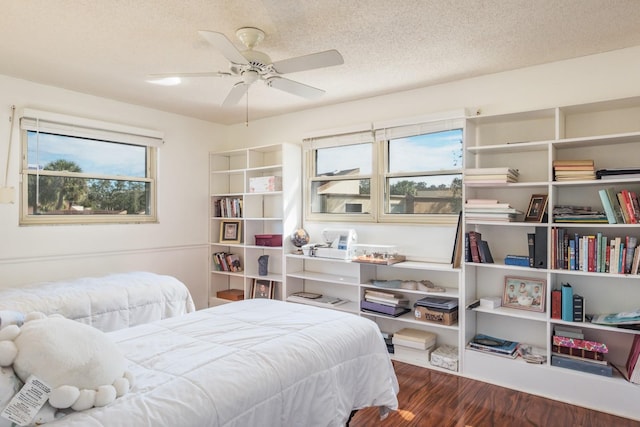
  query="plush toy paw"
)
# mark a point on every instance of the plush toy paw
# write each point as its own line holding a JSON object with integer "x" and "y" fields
{"x": 80, "y": 363}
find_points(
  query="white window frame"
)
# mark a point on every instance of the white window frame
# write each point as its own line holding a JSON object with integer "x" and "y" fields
{"x": 359, "y": 134}
{"x": 61, "y": 124}
{"x": 389, "y": 130}
{"x": 382, "y": 131}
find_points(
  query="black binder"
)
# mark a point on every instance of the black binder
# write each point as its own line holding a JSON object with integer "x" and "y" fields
{"x": 540, "y": 248}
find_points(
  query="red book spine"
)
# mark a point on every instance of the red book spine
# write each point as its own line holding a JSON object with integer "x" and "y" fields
{"x": 592, "y": 253}
{"x": 474, "y": 239}
{"x": 629, "y": 206}
{"x": 556, "y": 304}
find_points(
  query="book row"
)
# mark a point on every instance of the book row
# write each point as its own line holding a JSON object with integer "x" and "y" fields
{"x": 620, "y": 207}
{"x": 228, "y": 207}
{"x": 224, "y": 261}
{"x": 594, "y": 253}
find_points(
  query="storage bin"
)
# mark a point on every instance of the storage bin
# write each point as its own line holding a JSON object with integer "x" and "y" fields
{"x": 268, "y": 239}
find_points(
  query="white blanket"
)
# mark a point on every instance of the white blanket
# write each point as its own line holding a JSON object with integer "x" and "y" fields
{"x": 108, "y": 303}
{"x": 249, "y": 363}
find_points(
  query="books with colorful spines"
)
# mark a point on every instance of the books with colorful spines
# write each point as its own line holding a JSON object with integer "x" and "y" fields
{"x": 374, "y": 307}
{"x": 414, "y": 338}
{"x": 493, "y": 344}
{"x": 580, "y": 344}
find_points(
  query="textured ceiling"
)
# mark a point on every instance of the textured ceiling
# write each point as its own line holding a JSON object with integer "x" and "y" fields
{"x": 108, "y": 48}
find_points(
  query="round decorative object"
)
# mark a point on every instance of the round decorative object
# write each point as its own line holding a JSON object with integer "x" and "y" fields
{"x": 300, "y": 237}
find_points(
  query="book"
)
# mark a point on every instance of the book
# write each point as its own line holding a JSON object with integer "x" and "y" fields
{"x": 568, "y": 331}
{"x": 485, "y": 252}
{"x": 633, "y": 359}
{"x": 608, "y": 207}
{"x": 582, "y": 365}
{"x": 442, "y": 303}
{"x": 374, "y": 307}
{"x": 323, "y": 301}
{"x": 412, "y": 355}
{"x": 531, "y": 244}
{"x": 580, "y": 343}
{"x": 519, "y": 260}
{"x": 574, "y": 162}
{"x": 511, "y": 355}
{"x": 492, "y": 171}
{"x": 493, "y": 344}
{"x": 579, "y": 354}
{"x": 613, "y": 198}
{"x": 458, "y": 248}
{"x": 556, "y": 304}
{"x": 578, "y": 308}
{"x": 474, "y": 238}
{"x": 414, "y": 338}
{"x": 540, "y": 247}
{"x": 567, "y": 302}
{"x": 394, "y": 302}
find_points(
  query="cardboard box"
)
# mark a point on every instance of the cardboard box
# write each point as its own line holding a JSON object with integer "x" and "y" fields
{"x": 268, "y": 239}
{"x": 430, "y": 315}
{"x": 445, "y": 356}
{"x": 264, "y": 184}
{"x": 231, "y": 294}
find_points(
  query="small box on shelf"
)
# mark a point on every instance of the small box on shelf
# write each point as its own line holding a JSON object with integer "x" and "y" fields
{"x": 445, "y": 356}
{"x": 447, "y": 318}
{"x": 231, "y": 294}
{"x": 265, "y": 184}
{"x": 268, "y": 239}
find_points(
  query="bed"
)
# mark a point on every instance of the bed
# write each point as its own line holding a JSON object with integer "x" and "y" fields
{"x": 255, "y": 362}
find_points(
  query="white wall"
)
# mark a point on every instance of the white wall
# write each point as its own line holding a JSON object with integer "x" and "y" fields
{"x": 605, "y": 76}
{"x": 177, "y": 245}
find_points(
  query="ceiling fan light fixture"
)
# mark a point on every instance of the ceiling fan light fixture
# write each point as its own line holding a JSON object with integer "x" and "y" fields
{"x": 250, "y": 36}
{"x": 166, "y": 81}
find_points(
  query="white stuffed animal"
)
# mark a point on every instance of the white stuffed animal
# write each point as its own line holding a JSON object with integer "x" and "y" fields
{"x": 83, "y": 367}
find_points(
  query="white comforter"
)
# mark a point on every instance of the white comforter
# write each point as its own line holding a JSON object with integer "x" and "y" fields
{"x": 108, "y": 303}
{"x": 249, "y": 363}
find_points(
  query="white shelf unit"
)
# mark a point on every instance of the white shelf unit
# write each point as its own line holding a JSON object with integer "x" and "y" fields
{"x": 273, "y": 212}
{"x": 607, "y": 132}
{"x": 349, "y": 280}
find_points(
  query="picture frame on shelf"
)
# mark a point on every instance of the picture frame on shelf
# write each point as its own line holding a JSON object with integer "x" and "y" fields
{"x": 537, "y": 206}
{"x": 230, "y": 231}
{"x": 262, "y": 289}
{"x": 524, "y": 293}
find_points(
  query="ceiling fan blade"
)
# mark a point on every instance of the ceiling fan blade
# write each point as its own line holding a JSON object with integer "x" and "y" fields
{"x": 237, "y": 92}
{"x": 224, "y": 45}
{"x": 327, "y": 58}
{"x": 294, "y": 88}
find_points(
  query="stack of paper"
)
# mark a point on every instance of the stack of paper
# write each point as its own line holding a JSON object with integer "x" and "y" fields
{"x": 497, "y": 175}
{"x": 477, "y": 210}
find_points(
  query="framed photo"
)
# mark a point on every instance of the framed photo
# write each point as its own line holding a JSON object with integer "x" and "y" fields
{"x": 537, "y": 206}
{"x": 524, "y": 293}
{"x": 230, "y": 231}
{"x": 262, "y": 289}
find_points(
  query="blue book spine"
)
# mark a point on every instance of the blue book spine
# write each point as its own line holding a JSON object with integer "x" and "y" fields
{"x": 608, "y": 208}
{"x": 522, "y": 261}
{"x": 572, "y": 254}
{"x": 567, "y": 302}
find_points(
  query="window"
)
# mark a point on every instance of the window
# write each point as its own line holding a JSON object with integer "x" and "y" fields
{"x": 424, "y": 174}
{"x": 419, "y": 177}
{"x": 340, "y": 176}
{"x": 82, "y": 171}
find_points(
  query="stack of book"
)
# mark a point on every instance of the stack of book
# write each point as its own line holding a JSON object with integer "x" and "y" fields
{"x": 578, "y": 214}
{"x": 495, "y": 346}
{"x": 498, "y": 175}
{"x": 573, "y": 170}
{"x": 570, "y": 350}
{"x": 383, "y": 302}
{"x": 620, "y": 207}
{"x": 413, "y": 345}
{"x": 492, "y": 210}
{"x": 319, "y": 300}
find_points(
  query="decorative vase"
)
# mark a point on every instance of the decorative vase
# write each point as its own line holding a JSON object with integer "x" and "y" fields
{"x": 263, "y": 265}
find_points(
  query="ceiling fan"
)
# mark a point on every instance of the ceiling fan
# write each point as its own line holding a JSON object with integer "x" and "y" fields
{"x": 252, "y": 65}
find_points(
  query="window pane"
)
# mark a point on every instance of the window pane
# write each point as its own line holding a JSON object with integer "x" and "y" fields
{"x": 67, "y": 153}
{"x": 428, "y": 152}
{"x": 351, "y": 196}
{"x": 344, "y": 160}
{"x": 440, "y": 194}
{"x": 58, "y": 195}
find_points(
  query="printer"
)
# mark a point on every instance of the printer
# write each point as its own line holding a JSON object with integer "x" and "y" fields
{"x": 338, "y": 244}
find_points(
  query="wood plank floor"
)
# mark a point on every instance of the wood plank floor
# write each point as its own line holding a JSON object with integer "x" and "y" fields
{"x": 432, "y": 398}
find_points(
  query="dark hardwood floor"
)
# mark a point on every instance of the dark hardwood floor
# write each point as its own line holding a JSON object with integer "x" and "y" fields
{"x": 432, "y": 398}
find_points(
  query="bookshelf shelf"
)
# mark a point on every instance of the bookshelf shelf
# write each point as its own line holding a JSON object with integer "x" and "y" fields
{"x": 599, "y": 131}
